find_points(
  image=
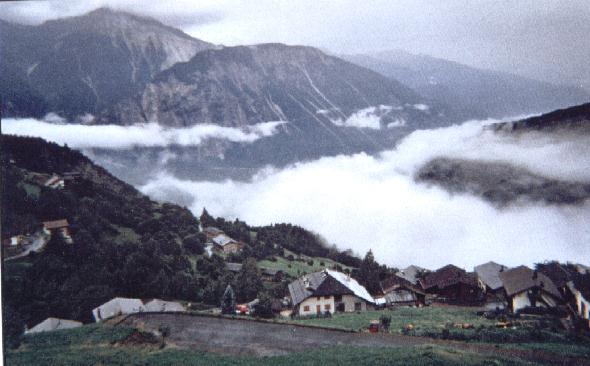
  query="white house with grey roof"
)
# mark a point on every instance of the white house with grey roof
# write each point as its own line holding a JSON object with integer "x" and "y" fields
{"x": 328, "y": 291}
{"x": 117, "y": 306}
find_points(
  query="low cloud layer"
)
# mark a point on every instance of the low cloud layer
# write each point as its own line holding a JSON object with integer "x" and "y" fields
{"x": 124, "y": 137}
{"x": 363, "y": 202}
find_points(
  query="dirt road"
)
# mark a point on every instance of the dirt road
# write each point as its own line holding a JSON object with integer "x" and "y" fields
{"x": 247, "y": 337}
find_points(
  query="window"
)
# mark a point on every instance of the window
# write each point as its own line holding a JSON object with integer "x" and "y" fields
{"x": 306, "y": 308}
{"x": 318, "y": 298}
{"x": 327, "y": 307}
{"x": 357, "y": 306}
{"x": 337, "y": 297}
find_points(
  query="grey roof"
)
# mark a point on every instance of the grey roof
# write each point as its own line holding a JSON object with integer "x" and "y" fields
{"x": 51, "y": 324}
{"x": 222, "y": 240}
{"x": 117, "y": 306}
{"x": 233, "y": 267}
{"x": 161, "y": 305}
{"x": 338, "y": 283}
{"x": 212, "y": 230}
{"x": 303, "y": 287}
{"x": 522, "y": 278}
{"x": 489, "y": 274}
{"x": 410, "y": 273}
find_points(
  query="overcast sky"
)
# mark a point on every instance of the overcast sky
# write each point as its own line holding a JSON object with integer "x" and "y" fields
{"x": 540, "y": 38}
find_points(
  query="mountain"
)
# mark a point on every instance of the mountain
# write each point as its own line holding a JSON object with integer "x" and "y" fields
{"x": 82, "y": 64}
{"x": 504, "y": 183}
{"x": 471, "y": 92}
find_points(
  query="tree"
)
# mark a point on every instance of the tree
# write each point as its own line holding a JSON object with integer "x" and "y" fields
{"x": 263, "y": 308}
{"x": 13, "y": 326}
{"x": 228, "y": 301}
{"x": 248, "y": 281}
{"x": 368, "y": 273}
{"x": 206, "y": 219}
{"x": 193, "y": 244}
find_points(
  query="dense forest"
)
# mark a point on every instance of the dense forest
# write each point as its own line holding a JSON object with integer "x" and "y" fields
{"x": 127, "y": 245}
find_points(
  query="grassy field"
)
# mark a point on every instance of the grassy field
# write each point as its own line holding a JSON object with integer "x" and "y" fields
{"x": 106, "y": 345}
{"x": 427, "y": 318}
{"x": 296, "y": 267}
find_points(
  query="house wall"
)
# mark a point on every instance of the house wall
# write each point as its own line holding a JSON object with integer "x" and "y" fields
{"x": 582, "y": 303}
{"x": 313, "y": 302}
{"x": 520, "y": 301}
{"x": 232, "y": 248}
{"x": 350, "y": 301}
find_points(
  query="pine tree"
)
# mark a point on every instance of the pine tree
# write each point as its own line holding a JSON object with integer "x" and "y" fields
{"x": 228, "y": 301}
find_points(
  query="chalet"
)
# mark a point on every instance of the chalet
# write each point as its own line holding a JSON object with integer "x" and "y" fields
{"x": 527, "y": 288}
{"x": 117, "y": 306}
{"x": 61, "y": 226}
{"x": 488, "y": 279}
{"x": 328, "y": 291}
{"x": 55, "y": 182}
{"x": 212, "y": 232}
{"x": 225, "y": 244}
{"x": 580, "y": 288}
{"x": 157, "y": 305}
{"x": 559, "y": 274}
{"x": 399, "y": 291}
{"x": 411, "y": 273}
{"x": 51, "y": 324}
{"x": 453, "y": 285}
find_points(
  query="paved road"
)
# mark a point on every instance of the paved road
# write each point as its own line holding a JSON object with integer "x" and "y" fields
{"x": 245, "y": 337}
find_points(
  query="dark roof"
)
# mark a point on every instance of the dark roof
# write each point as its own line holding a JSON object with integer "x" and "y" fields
{"x": 522, "y": 278}
{"x": 447, "y": 276}
{"x": 489, "y": 274}
{"x": 395, "y": 282}
{"x": 582, "y": 284}
{"x": 305, "y": 286}
{"x": 57, "y": 224}
{"x": 557, "y": 272}
{"x": 326, "y": 283}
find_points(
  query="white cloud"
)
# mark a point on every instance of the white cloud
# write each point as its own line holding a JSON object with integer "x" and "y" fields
{"x": 123, "y": 137}
{"x": 363, "y": 202}
{"x": 364, "y": 118}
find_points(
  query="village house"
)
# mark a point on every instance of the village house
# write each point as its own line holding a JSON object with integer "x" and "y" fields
{"x": 580, "y": 289}
{"x": 453, "y": 285}
{"x": 212, "y": 232}
{"x": 14, "y": 240}
{"x": 267, "y": 274}
{"x": 411, "y": 273}
{"x": 328, "y": 291}
{"x": 58, "y": 226}
{"x": 51, "y": 324}
{"x": 527, "y": 288}
{"x": 117, "y": 306}
{"x": 225, "y": 244}
{"x": 488, "y": 279}
{"x": 157, "y": 305}
{"x": 559, "y": 274}
{"x": 55, "y": 182}
{"x": 398, "y": 291}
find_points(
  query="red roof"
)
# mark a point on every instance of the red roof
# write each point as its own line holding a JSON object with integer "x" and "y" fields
{"x": 57, "y": 224}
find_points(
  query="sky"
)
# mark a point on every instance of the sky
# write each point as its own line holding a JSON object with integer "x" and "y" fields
{"x": 545, "y": 39}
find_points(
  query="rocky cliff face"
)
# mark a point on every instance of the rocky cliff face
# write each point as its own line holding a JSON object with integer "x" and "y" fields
{"x": 83, "y": 64}
{"x": 236, "y": 86}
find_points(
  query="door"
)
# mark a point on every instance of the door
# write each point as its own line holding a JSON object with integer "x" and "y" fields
{"x": 318, "y": 309}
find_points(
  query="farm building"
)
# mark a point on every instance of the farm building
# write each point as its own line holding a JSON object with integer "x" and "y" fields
{"x": 453, "y": 285}
{"x": 411, "y": 273}
{"x": 225, "y": 244}
{"x": 51, "y": 324}
{"x": 399, "y": 291}
{"x": 58, "y": 226}
{"x": 559, "y": 274}
{"x": 157, "y": 305}
{"x": 117, "y": 306}
{"x": 488, "y": 278}
{"x": 55, "y": 182}
{"x": 212, "y": 232}
{"x": 268, "y": 274}
{"x": 527, "y": 288}
{"x": 328, "y": 291}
